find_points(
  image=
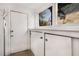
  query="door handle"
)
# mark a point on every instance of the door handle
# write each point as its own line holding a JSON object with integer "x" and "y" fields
{"x": 41, "y": 37}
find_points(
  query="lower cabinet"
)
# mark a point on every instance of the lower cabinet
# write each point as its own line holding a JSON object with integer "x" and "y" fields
{"x": 44, "y": 44}
{"x": 75, "y": 47}
{"x": 37, "y": 43}
{"x": 57, "y": 45}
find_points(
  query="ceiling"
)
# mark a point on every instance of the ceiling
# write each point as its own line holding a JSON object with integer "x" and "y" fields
{"x": 38, "y": 7}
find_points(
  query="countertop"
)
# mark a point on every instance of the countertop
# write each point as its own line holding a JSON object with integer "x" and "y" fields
{"x": 71, "y": 33}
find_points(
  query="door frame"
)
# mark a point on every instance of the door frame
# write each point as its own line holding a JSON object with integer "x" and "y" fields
{"x": 11, "y": 10}
{"x": 3, "y": 33}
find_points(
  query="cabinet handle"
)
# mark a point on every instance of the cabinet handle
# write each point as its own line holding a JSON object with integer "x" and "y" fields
{"x": 41, "y": 37}
{"x": 46, "y": 39}
{"x": 11, "y": 31}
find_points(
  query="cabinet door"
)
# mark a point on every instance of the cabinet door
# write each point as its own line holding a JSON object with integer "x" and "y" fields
{"x": 75, "y": 47}
{"x": 37, "y": 43}
{"x": 57, "y": 45}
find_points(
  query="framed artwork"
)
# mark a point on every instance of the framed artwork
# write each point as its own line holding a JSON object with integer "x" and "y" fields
{"x": 45, "y": 17}
{"x": 68, "y": 13}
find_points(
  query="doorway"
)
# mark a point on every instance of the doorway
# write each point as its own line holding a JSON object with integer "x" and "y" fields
{"x": 18, "y": 31}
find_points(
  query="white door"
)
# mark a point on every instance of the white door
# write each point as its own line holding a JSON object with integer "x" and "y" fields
{"x": 18, "y": 32}
{"x": 57, "y": 45}
{"x": 1, "y": 36}
{"x": 75, "y": 47}
{"x": 37, "y": 43}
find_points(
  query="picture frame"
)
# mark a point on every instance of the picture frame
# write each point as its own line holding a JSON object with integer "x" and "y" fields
{"x": 45, "y": 17}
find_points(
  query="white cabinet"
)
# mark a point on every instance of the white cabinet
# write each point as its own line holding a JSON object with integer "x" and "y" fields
{"x": 53, "y": 44}
{"x": 57, "y": 45}
{"x": 75, "y": 46}
{"x": 37, "y": 43}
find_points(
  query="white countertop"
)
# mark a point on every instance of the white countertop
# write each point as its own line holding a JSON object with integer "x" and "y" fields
{"x": 67, "y": 28}
{"x": 72, "y": 33}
